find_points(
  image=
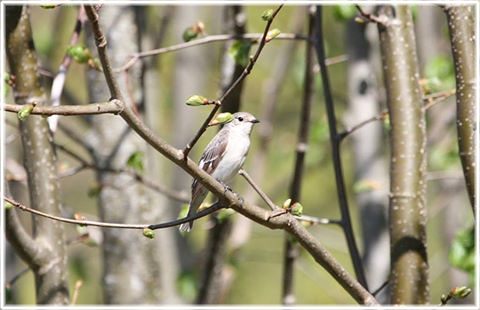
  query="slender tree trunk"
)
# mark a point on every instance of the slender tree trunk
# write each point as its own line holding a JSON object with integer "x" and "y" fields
{"x": 461, "y": 24}
{"x": 127, "y": 274}
{"x": 370, "y": 165}
{"x": 409, "y": 265}
{"x": 46, "y": 252}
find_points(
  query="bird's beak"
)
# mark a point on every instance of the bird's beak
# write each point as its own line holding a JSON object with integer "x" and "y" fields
{"x": 255, "y": 121}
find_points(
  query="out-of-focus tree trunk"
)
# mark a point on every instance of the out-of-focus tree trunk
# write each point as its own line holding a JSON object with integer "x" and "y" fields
{"x": 130, "y": 269}
{"x": 370, "y": 166}
{"x": 461, "y": 24}
{"x": 163, "y": 265}
{"x": 409, "y": 266}
{"x": 45, "y": 253}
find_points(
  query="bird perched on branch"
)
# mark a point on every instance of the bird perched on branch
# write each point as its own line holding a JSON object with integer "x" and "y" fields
{"x": 223, "y": 158}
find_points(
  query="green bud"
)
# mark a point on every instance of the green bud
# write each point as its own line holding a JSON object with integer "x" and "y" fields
{"x": 267, "y": 15}
{"x": 147, "y": 232}
{"x": 460, "y": 292}
{"x": 8, "y": 205}
{"x": 197, "y": 100}
{"x": 287, "y": 203}
{"x": 189, "y": 34}
{"x": 25, "y": 111}
{"x": 444, "y": 299}
{"x": 359, "y": 20}
{"x": 272, "y": 34}
{"x": 297, "y": 209}
{"x": 344, "y": 12}
{"x": 79, "y": 53}
{"x": 221, "y": 118}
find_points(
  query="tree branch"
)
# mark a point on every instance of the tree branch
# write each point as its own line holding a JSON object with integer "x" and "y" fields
{"x": 248, "y": 69}
{"x": 110, "y": 107}
{"x": 261, "y": 193}
{"x": 284, "y": 221}
{"x": 291, "y": 250}
{"x": 337, "y": 162}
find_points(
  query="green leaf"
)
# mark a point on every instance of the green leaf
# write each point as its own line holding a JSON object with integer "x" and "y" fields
{"x": 135, "y": 161}
{"x": 187, "y": 285}
{"x": 197, "y": 100}
{"x": 224, "y": 214}
{"x": 267, "y": 15}
{"x": 462, "y": 251}
{"x": 344, "y": 12}
{"x": 8, "y": 205}
{"x": 440, "y": 74}
{"x": 25, "y": 111}
{"x": 79, "y": 53}
{"x": 221, "y": 119}
{"x": 147, "y": 232}
{"x": 240, "y": 52}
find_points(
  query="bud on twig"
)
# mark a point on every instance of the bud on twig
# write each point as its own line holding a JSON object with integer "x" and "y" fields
{"x": 267, "y": 15}
{"x": 287, "y": 203}
{"x": 221, "y": 118}
{"x": 297, "y": 209}
{"x": 460, "y": 292}
{"x": 25, "y": 111}
{"x": 272, "y": 34}
{"x": 197, "y": 100}
{"x": 147, "y": 232}
{"x": 79, "y": 53}
{"x": 192, "y": 32}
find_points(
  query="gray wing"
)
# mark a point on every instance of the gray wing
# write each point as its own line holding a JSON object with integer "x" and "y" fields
{"x": 212, "y": 156}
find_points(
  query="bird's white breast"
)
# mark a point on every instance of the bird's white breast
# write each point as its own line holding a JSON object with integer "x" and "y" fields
{"x": 234, "y": 156}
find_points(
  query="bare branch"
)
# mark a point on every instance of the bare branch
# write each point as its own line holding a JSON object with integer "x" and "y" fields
{"x": 248, "y": 69}
{"x": 337, "y": 161}
{"x": 261, "y": 193}
{"x": 254, "y": 37}
{"x": 110, "y": 107}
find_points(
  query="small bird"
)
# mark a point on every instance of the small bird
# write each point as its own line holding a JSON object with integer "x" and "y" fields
{"x": 223, "y": 157}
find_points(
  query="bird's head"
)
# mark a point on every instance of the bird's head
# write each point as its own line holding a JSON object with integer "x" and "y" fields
{"x": 242, "y": 121}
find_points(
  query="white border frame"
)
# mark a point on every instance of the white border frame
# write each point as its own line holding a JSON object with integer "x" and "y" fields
{"x": 220, "y": 2}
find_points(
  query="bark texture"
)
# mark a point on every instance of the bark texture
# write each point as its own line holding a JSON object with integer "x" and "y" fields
{"x": 407, "y": 206}
{"x": 45, "y": 253}
{"x": 461, "y": 24}
{"x": 129, "y": 269}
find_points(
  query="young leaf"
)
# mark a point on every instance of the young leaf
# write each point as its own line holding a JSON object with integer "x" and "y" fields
{"x": 135, "y": 161}
{"x": 272, "y": 34}
{"x": 344, "y": 12}
{"x": 297, "y": 209}
{"x": 240, "y": 52}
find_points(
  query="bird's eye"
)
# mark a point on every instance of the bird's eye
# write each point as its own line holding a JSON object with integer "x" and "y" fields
{"x": 240, "y": 119}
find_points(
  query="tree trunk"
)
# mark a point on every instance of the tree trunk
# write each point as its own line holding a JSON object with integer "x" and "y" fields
{"x": 461, "y": 24}
{"x": 46, "y": 252}
{"x": 367, "y": 145}
{"x": 408, "y": 248}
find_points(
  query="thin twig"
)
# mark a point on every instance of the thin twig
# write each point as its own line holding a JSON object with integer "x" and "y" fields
{"x": 261, "y": 193}
{"x": 15, "y": 278}
{"x": 378, "y": 290}
{"x": 111, "y": 107}
{"x": 317, "y": 221}
{"x": 371, "y": 17}
{"x": 248, "y": 69}
{"x": 208, "y": 39}
{"x": 173, "y": 223}
{"x": 337, "y": 162}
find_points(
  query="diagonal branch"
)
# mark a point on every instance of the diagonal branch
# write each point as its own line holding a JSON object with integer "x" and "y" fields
{"x": 248, "y": 69}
